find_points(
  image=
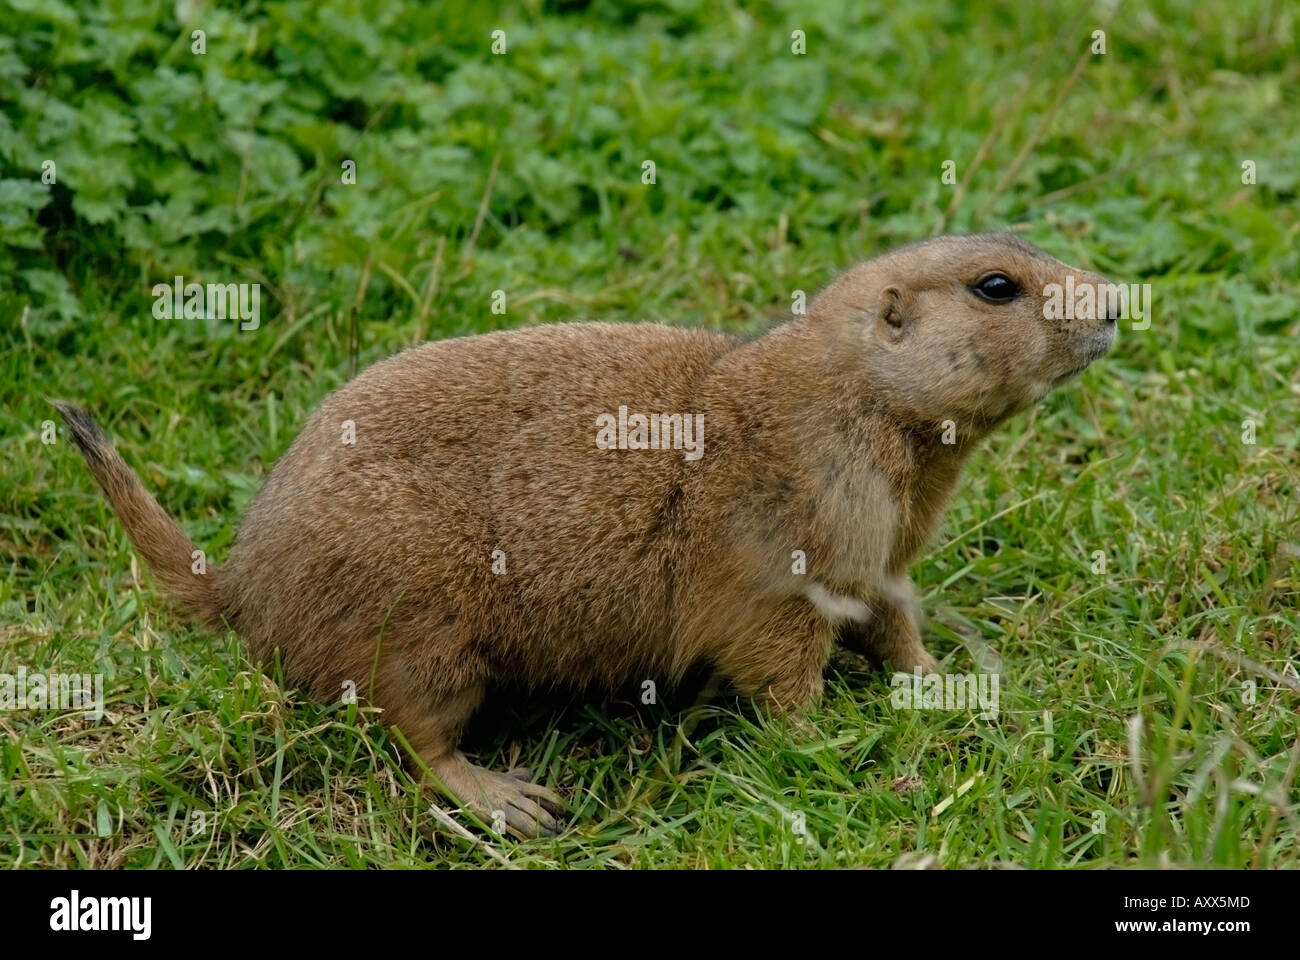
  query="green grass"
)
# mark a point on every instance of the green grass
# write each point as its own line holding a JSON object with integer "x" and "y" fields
{"x": 1126, "y": 735}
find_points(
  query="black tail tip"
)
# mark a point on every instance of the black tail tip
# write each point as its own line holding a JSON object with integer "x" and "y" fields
{"x": 85, "y": 431}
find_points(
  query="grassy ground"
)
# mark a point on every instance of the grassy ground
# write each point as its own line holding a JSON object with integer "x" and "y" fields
{"x": 1129, "y": 731}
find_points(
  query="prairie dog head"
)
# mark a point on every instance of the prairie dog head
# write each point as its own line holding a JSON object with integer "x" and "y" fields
{"x": 959, "y": 328}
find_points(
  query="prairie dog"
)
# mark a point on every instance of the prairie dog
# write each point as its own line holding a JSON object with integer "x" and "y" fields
{"x": 493, "y": 508}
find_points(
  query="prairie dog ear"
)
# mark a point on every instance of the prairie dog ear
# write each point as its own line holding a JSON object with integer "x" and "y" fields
{"x": 895, "y": 311}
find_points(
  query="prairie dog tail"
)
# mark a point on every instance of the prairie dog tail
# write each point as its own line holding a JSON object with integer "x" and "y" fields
{"x": 164, "y": 546}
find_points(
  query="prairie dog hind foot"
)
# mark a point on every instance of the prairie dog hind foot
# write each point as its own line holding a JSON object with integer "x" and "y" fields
{"x": 508, "y": 802}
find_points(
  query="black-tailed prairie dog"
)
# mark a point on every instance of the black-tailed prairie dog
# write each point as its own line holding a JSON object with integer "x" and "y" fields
{"x": 593, "y": 503}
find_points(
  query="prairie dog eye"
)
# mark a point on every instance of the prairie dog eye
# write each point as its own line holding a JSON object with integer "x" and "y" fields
{"x": 996, "y": 288}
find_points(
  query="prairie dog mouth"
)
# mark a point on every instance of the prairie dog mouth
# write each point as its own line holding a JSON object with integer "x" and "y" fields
{"x": 1070, "y": 374}
{"x": 1096, "y": 347}
{"x": 1099, "y": 342}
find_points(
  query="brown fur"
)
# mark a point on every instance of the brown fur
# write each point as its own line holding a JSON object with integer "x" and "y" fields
{"x": 374, "y": 560}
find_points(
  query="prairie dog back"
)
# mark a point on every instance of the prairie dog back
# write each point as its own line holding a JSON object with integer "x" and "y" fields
{"x": 482, "y": 452}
